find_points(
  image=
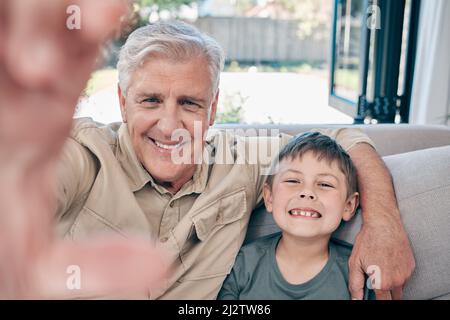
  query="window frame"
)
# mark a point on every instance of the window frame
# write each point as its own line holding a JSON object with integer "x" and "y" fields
{"x": 334, "y": 100}
{"x": 386, "y": 106}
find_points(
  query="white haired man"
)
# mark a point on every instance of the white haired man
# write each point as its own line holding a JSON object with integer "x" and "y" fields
{"x": 122, "y": 178}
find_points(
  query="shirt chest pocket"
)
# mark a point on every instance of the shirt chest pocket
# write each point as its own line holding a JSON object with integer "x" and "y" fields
{"x": 216, "y": 235}
{"x": 88, "y": 223}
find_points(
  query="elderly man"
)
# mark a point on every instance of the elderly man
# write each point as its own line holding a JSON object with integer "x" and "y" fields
{"x": 125, "y": 178}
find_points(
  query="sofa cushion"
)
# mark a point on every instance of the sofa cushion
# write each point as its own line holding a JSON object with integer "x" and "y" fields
{"x": 422, "y": 186}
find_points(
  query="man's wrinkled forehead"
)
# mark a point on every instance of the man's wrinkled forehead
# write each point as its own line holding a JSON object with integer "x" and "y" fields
{"x": 156, "y": 75}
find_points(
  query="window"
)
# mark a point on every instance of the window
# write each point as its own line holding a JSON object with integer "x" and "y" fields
{"x": 372, "y": 60}
{"x": 277, "y": 60}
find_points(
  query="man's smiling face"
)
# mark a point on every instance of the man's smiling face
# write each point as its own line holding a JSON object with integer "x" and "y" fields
{"x": 165, "y": 96}
{"x": 308, "y": 197}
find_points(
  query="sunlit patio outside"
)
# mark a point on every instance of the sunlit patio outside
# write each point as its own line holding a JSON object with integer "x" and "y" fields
{"x": 252, "y": 97}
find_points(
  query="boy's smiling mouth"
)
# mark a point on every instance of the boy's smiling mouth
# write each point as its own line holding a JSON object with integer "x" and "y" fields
{"x": 305, "y": 213}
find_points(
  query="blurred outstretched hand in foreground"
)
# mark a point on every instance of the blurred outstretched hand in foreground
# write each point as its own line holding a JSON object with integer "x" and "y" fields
{"x": 44, "y": 67}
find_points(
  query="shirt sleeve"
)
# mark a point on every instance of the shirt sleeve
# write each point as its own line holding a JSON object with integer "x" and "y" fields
{"x": 347, "y": 138}
{"x": 76, "y": 174}
{"x": 229, "y": 290}
{"x": 230, "y": 287}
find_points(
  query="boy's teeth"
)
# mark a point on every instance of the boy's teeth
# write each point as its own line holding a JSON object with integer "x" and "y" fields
{"x": 166, "y": 146}
{"x": 305, "y": 213}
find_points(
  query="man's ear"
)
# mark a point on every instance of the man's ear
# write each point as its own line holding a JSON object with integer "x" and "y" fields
{"x": 123, "y": 109}
{"x": 267, "y": 195}
{"x": 212, "y": 114}
{"x": 350, "y": 206}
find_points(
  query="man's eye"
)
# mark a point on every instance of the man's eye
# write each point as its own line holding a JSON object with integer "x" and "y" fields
{"x": 152, "y": 100}
{"x": 187, "y": 102}
{"x": 192, "y": 106}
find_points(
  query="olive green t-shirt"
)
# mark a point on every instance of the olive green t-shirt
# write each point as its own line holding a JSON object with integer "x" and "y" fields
{"x": 256, "y": 276}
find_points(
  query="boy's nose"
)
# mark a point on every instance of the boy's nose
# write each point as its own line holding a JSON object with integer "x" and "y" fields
{"x": 307, "y": 195}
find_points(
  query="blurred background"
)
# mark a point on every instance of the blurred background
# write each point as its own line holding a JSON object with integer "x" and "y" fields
{"x": 308, "y": 61}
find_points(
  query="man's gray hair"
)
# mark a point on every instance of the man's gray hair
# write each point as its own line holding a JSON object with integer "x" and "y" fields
{"x": 174, "y": 40}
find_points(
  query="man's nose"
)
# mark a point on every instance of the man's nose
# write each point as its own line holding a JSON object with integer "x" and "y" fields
{"x": 168, "y": 121}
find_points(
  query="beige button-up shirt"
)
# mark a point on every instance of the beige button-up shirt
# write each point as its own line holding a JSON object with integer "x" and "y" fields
{"x": 104, "y": 188}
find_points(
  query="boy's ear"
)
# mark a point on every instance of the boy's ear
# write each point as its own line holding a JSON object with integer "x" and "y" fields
{"x": 267, "y": 195}
{"x": 350, "y": 206}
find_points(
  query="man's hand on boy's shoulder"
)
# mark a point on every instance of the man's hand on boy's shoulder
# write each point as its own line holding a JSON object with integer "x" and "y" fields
{"x": 382, "y": 247}
{"x": 381, "y": 251}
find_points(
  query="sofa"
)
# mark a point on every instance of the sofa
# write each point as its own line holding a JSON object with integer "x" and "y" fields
{"x": 418, "y": 158}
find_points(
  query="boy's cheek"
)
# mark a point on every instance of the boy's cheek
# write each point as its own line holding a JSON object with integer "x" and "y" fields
{"x": 334, "y": 221}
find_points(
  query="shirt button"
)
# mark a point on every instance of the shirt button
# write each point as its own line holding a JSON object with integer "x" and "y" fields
{"x": 171, "y": 204}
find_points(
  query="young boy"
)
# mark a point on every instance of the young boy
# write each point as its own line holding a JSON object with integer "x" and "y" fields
{"x": 312, "y": 189}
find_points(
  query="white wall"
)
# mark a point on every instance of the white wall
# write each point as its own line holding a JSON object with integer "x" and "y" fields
{"x": 430, "y": 97}
{"x": 448, "y": 109}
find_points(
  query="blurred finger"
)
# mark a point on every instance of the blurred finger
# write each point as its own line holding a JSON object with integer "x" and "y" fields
{"x": 32, "y": 49}
{"x": 24, "y": 226}
{"x": 3, "y": 26}
{"x": 101, "y": 19}
{"x": 105, "y": 268}
{"x": 40, "y": 44}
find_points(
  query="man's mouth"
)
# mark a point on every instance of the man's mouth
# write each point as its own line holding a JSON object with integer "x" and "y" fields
{"x": 167, "y": 145}
{"x": 305, "y": 213}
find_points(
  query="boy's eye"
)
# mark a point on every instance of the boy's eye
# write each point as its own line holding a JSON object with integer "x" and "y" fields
{"x": 292, "y": 181}
{"x": 325, "y": 185}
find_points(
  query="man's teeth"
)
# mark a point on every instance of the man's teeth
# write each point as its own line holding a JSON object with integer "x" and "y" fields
{"x": 305, "y": 213}
{"x": 166, "y": 146}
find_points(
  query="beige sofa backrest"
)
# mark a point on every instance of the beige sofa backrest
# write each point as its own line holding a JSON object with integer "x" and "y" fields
{"x": 388, "y": 138}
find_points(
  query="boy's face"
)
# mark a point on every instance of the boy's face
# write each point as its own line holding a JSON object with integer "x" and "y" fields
{"x": 308, "y": 198}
